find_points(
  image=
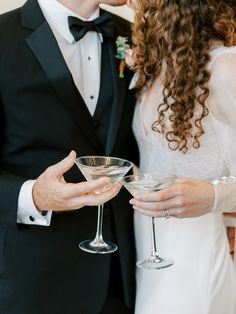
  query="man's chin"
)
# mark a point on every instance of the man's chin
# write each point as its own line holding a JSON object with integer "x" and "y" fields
{"x": 114, "y": 2}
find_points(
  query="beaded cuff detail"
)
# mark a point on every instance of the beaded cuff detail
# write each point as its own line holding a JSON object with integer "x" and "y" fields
{"x": 224, "y": 180}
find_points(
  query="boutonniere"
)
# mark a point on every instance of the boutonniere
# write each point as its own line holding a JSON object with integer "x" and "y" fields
{"x": 121, "y": 48}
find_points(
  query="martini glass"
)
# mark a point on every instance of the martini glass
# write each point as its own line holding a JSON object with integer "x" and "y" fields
{"x": 95, "y": 167}
{"x": 146, "y": 183}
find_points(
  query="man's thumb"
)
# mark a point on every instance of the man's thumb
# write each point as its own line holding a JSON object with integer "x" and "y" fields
{"x": 64, "y": 165}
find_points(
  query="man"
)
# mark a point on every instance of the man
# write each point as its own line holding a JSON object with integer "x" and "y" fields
{"x": 61, "y": 91}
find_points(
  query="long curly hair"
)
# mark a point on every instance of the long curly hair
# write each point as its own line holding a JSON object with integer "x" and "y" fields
{"x": 176, "y": 36}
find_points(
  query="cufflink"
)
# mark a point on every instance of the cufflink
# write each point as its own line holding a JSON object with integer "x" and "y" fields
{"x": 31, "y": 218}
{"x": 225, "y": 180}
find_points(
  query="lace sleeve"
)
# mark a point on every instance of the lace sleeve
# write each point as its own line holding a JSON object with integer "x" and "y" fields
{"x": 222, "y": 107}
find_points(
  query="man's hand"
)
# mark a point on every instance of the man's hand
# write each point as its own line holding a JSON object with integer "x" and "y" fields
{"x": 52, "y": 192}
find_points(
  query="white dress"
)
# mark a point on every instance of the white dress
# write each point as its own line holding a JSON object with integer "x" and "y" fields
{"x": 203, "y": 278}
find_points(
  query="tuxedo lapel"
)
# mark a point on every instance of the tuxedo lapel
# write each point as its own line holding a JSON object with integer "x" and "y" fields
{"x": 45, "y": 48}
{"x": 120, "y": 85}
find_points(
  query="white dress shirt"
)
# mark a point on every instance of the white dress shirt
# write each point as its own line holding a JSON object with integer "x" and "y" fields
{"x": 83, "y": 59}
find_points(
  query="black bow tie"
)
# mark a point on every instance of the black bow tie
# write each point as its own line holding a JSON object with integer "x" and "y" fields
{"x": 102, "y": 25}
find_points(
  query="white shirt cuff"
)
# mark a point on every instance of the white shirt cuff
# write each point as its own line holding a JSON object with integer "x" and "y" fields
{"x": 27, "y": 213}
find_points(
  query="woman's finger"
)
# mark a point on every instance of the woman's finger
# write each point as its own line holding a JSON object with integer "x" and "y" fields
{"x": 158, "y": 196}
{"x": 159, "y": 214}
{"x": 155, "y": 206}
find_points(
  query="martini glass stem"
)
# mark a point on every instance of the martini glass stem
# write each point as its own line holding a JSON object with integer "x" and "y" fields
{"x": 154, "y": 254}
{"x": 98, "y": 241}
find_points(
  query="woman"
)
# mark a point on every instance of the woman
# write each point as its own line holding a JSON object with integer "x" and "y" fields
{"x": 184, "y": 54}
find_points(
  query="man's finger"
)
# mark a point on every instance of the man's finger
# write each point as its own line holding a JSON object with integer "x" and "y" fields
{"x": 92, "y": 199}
{"x": 85, "y": 187}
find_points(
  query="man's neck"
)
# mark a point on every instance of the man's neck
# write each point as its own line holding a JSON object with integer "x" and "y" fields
{"x": 84, "y": 8}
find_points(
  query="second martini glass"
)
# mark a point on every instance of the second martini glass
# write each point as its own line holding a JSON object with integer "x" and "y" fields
{"x": 146, "y": 183}
{"x": 95, "y": 167}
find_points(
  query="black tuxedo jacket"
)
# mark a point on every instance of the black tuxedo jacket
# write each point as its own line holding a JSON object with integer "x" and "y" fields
{"x": 42, "y": 118}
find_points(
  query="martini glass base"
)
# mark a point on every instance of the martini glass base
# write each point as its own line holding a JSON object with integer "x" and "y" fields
{"x": 155, "y": 263}
{"x": 91, "y": 246}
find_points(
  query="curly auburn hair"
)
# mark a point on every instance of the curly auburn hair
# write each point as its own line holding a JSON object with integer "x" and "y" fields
{"x": 177, "y": 35}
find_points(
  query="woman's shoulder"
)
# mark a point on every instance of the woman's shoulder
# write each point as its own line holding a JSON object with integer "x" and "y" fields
{"x": 222, "y": 54}
{"x": 222, "y": 85}
{"x": 223, "y": 64}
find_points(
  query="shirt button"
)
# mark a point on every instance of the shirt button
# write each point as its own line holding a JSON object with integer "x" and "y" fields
{"x": 89, "y": 58}
{"x": 91, "y": 97}
{"x": 31, "y": 218}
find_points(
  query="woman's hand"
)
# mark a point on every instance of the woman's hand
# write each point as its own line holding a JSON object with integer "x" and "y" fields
{"x": 185, "y": 198}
